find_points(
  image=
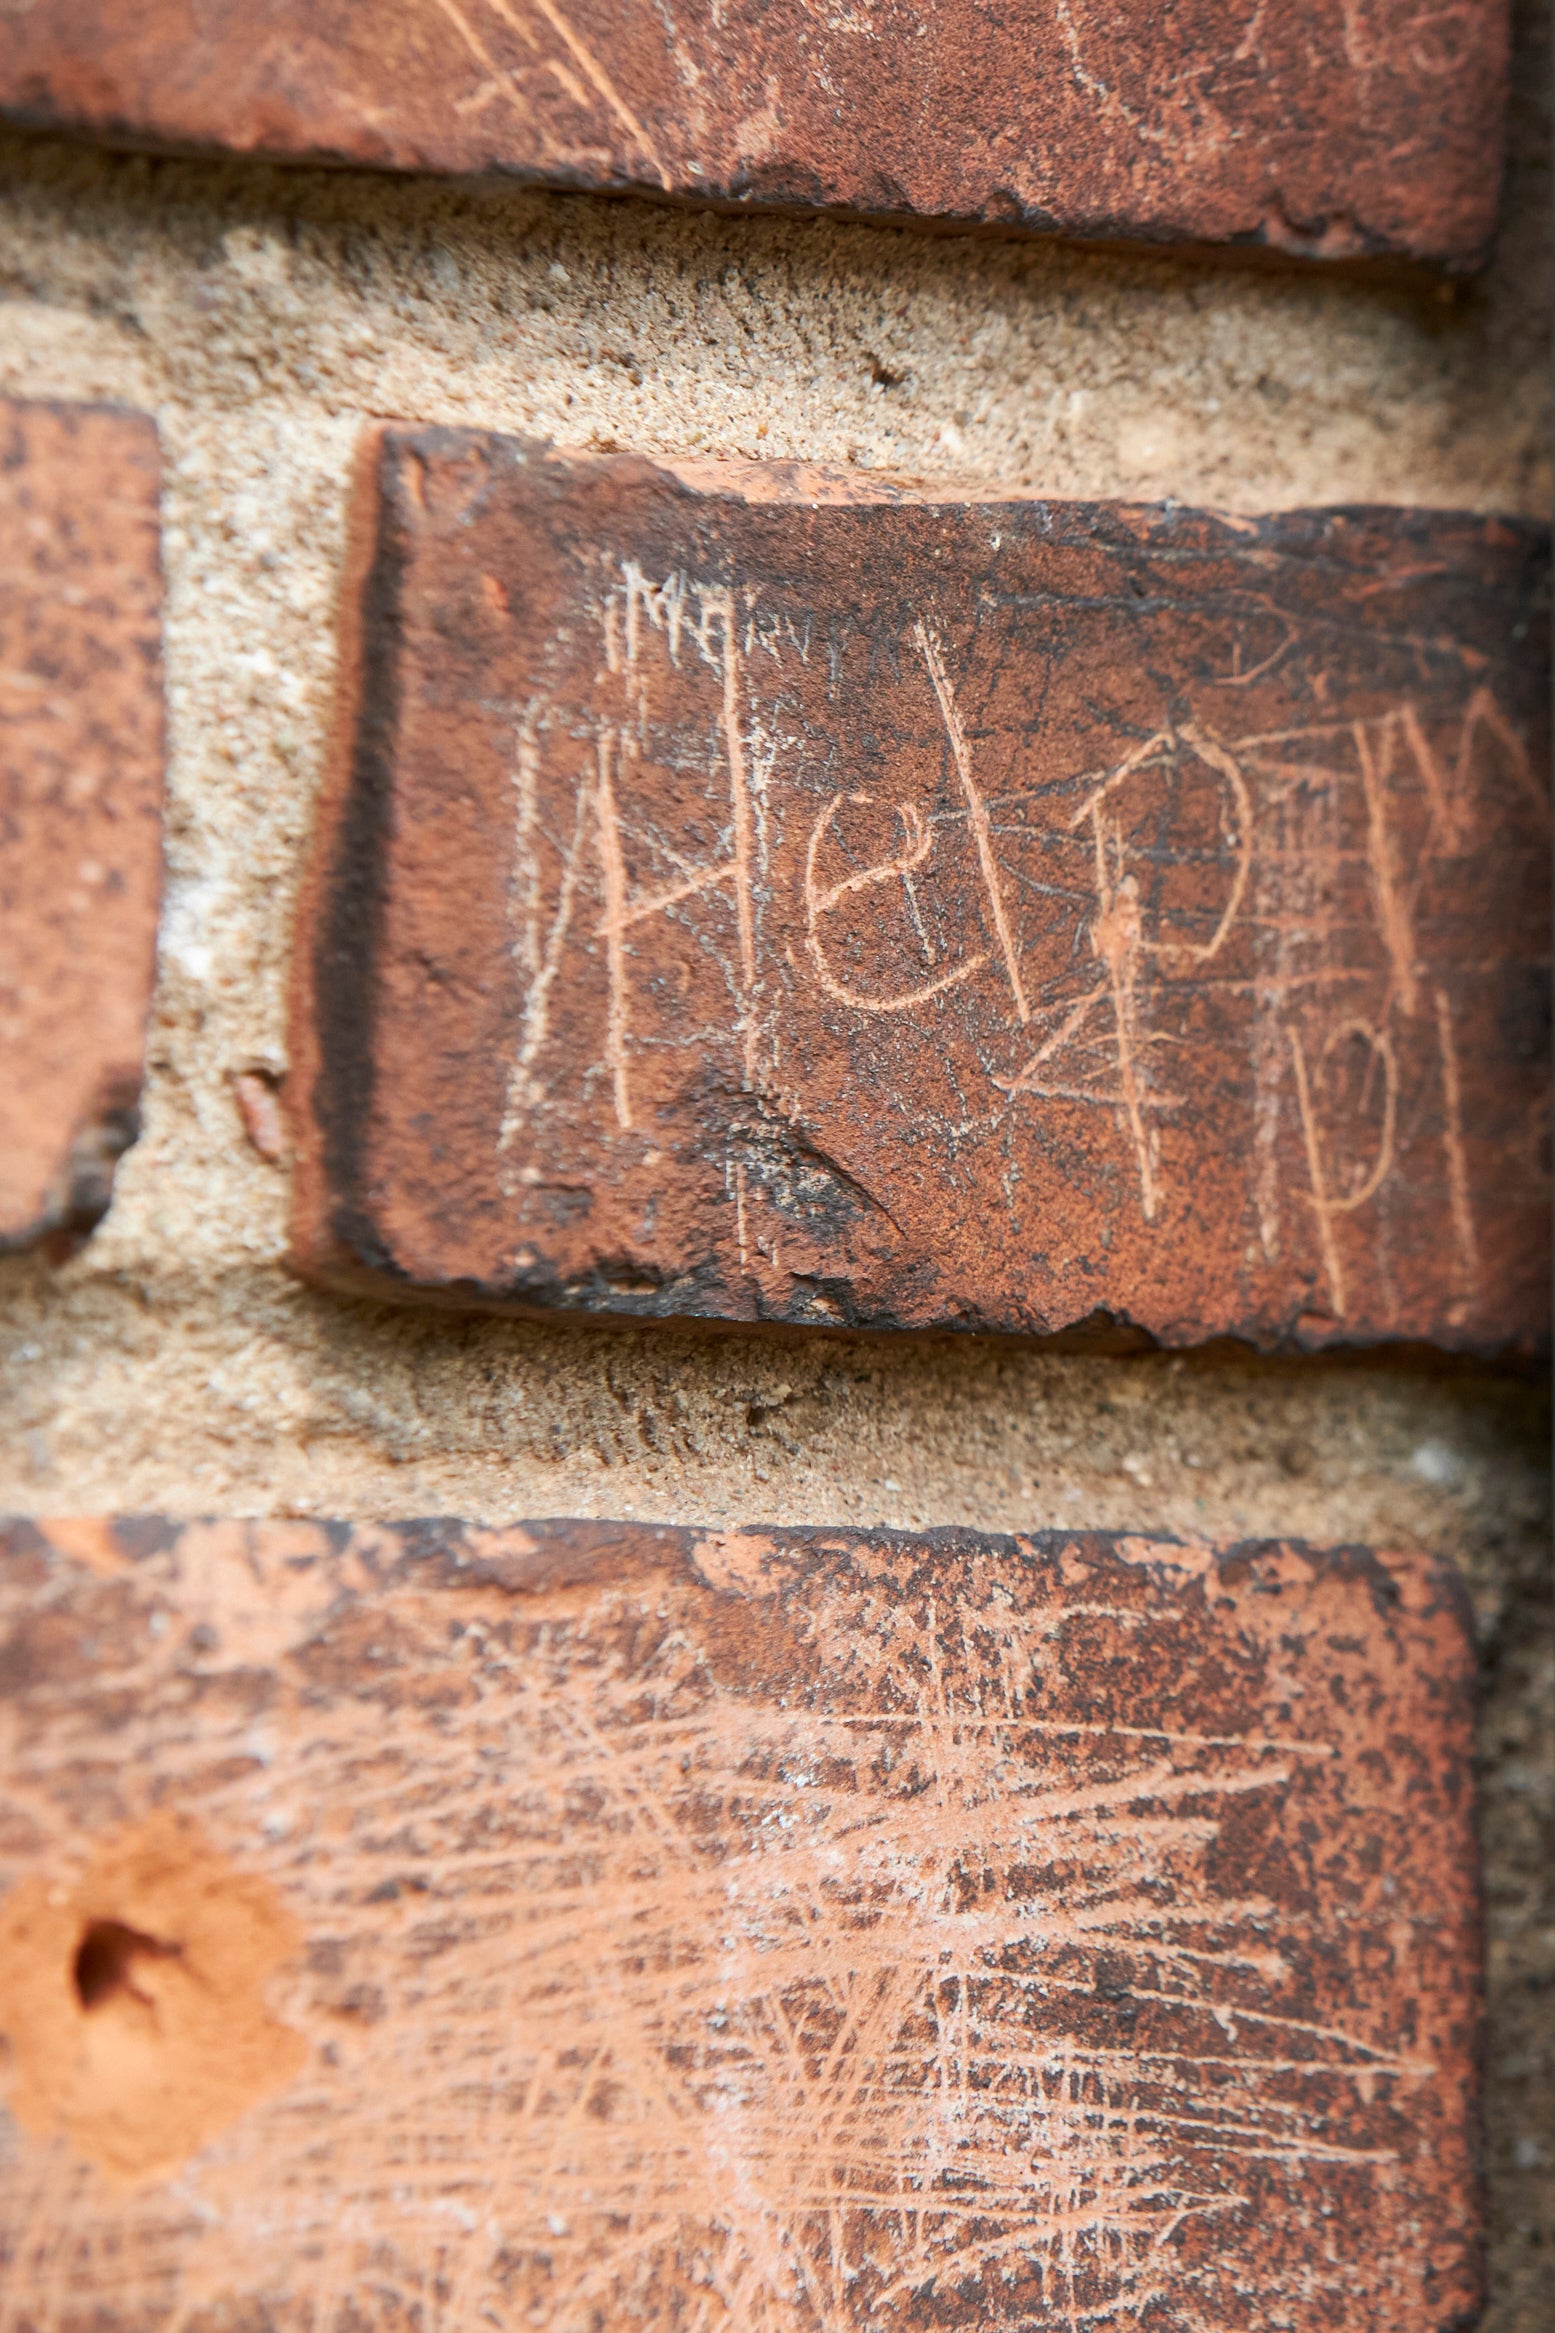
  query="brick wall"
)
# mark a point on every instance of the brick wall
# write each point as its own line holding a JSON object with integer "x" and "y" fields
{"x": 174, "y": 1364}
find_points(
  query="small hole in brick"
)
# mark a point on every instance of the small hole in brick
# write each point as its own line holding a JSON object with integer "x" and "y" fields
{"x": 105, "y": 1961}
{"x": 134, "y": 1997}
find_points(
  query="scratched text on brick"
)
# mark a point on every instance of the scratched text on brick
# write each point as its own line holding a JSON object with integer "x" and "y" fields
{"x": 746, "y": 898}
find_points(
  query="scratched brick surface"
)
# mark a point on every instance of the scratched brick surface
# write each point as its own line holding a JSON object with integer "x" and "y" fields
{"x": 768, "y": 1931}
{"x": 743, "y": 900}
{"x": 1333, "y": 128}
{"x": 80, "y": 802}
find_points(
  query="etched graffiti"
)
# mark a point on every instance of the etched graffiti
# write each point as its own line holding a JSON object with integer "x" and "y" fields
{"x": 1189, "y": 869}
{"x": 804, "y": 900}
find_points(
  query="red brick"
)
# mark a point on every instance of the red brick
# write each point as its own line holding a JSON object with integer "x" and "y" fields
{"x": 81, "y": 788}
{"x": 1311, "y": 126}
{"x": 764, "y": 898}
{"x": 790, "y": 1930}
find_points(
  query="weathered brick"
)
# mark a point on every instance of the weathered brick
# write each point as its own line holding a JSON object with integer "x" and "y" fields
{"x": 620, "y": 1925}
{"x": 1311, "y": 126}
{"x": 749, "y": 895}
{"x": 81, "y": 791}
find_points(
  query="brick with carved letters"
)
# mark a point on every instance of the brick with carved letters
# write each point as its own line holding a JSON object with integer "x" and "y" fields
{"x": 751, "y": 895}
{"x": 81, "y": 796}
{"x": 1336, "y": 129}
{"x": 601, "y": 1924}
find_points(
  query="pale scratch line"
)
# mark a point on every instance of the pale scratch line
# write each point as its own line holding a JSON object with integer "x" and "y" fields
{"x": 1320, "y": 1206}
{"x": 739, "y": 1214}
{"x": 1392, "y": 913}
{"x": 1115, "y": 937}
{"x": 708, "y": 879}
{"x": 1484, "y": 712}
{"x": 1379, "y": 2059}
{"x": 589, "y": 65}
{"x": 1444, "y": 800}
{"x": 740, "y": 807}
{"x": 613, "y": 924}
{"x": 1022, "y": 1083}
{"x": 1381, "y": 1045}
{"x": 524, "y": 882}
{"x": 536, "y": 1021}
{"x": 500, "y": 79}
{"x": 1457, "y": 1160}
{"x": 1215, "y": 756}
{"x": 977, "y": 810}
{"x": 1325, "y": 1204}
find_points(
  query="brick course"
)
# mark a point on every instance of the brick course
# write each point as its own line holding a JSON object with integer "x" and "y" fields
{"x": 857, "y": 1928}
{"x": 757, "y": 896}
{"x": 1322, "y": 129}
{"x": 81, "y": 796}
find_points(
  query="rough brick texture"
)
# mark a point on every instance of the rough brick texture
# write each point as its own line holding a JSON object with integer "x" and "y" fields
{"x": 80, "y": 803}
{"x": 780, "y": 1931}
{"x": 752, "y": 896}
{"x": 1314, "y": 126}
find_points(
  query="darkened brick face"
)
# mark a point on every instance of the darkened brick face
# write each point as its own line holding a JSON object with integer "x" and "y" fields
{"x": 887, "y": 1931}
{"x": 80, "y": 803}
{"x": 749, "y": 895}
{"x": 1311, "y": 126}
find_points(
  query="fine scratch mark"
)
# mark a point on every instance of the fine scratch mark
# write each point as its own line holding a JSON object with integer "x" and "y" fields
{"x": 1116, "y": 938}
{"x": 1325, "y": 1203}
{"x": 739, "y": 1214}
{"x": 589, "y": 65}
{"x": 1315, "y": 1175}
{"x": 1457, "y": 1162}
{"x": 534, "y": 1027}
{"x": 1392, "y": 912}
{"x": 498, "y": 81}
{"x": 722, "y": 604}
{"x": 613, "y": 927}
{"x": 1216, "y": 757}
{"x": 977, "y": 812}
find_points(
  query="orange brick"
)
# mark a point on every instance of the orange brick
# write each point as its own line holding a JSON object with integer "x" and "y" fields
{"x": 1316, "y": 128}
{"x": 618, "y": 1925}
{"x": 81, "y": 788}
{"x": 748, "y": 895}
